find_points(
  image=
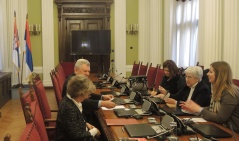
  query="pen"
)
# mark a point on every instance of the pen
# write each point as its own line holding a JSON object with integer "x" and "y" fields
{"x": 122, "y": 128}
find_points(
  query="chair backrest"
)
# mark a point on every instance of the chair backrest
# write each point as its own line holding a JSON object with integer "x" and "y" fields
{"x": 27, "y": 97}
{"x": 151, "y": 75}
{"x": 60, "y": 80}
{"x": 235, "y": 82}
{"x": 30, "y": 133}
{"x": 42, "y": 98}
{"x": 56, "y": 87}
{"x": 159, "y": 77}
{"x": 68, "y": 68}
{"x": 38, "y": 120}
{"x": 143, "y": 69}
{"x": 60, "y": 69}
{"x": 135, "y": 69}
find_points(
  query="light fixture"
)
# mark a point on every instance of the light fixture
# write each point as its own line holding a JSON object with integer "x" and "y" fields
{"x": 35, "y": 29}
{"x": 132, "y": 29}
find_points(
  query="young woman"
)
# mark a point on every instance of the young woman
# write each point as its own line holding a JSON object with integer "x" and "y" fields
{"x": 71, "y": 124}
{"x": 224, "y": 105}
{"x": 172, "y": 81}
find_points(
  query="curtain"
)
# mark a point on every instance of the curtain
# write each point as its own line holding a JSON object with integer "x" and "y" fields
{"x": 3, "y": 46}
{"x": 181, "y": 28}
{"x": 184, "y": 46}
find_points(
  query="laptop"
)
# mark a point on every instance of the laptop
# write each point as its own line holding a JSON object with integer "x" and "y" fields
{"x": 127, "y": 112}
{"x": 174, "y": 110}
{"x": 129, "y": 100}
{"x": 157, "y": 100}
{"x": 210, "y": 130}
{"x": 139, "y": 130}
{"x": 145, "y": 130}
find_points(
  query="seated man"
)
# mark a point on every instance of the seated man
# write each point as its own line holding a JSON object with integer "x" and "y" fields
{"x": 195, "y": 89}
{"x": 82, "y": 66}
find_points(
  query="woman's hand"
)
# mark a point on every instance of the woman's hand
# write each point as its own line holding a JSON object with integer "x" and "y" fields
{"x": 170, "y": 101}
{"x": 89, "y": 126}
{"x": 190, "y": 106}
{"x": 162, "y": 90}
{"x": 160, "y": 96}
{"x": 153, "y": 93}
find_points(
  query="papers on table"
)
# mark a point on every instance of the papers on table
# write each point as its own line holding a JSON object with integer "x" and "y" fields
{"x": 195, "y": 119}
{"x": 116, "y": 107}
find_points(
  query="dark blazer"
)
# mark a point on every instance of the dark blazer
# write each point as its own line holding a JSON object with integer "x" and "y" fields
{"x": 173, "y": 85}
{"x": 201, "y": 94}
{"x": 70, "y": 124}
{"x": 91, "y": 103}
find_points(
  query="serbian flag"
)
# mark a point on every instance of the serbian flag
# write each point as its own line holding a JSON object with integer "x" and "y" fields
{"x": 28, "y": 51}
{"x": 16, "y": 45}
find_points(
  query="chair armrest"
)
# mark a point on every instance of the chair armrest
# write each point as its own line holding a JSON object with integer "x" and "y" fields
{"x": 50, "y": 128}
{"x": 49, "y": 120}
{"x": 54, "y": 110}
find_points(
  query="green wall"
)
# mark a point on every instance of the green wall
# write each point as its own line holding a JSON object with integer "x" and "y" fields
{"x": 35, "y": 17}
{"x": 131, "y": 40}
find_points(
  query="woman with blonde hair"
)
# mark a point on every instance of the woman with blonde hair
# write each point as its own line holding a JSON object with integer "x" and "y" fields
{"x": 224, "y": 105}
{"x": 71, "y": 124}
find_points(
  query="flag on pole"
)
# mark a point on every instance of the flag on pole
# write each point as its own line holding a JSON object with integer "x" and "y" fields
{"x": 28, "y": 51}
{"x": 16, "y": 45}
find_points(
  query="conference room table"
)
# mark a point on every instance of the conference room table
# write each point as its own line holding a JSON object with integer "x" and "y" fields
{"x": 116, "y": 132}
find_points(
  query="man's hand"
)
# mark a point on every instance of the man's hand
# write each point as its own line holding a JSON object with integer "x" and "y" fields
{"x": 107, "y": 104}
{"x": 107, "y": 97}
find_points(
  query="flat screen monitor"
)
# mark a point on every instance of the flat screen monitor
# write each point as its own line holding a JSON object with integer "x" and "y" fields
{"x": 90, "y": 42}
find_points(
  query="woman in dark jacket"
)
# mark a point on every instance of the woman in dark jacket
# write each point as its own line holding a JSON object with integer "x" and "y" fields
{"x": 172, "y": 81}
{"x": 71, "y": 124}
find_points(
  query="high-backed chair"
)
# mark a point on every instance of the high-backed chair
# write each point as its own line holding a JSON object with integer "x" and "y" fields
{"x": 56, "y": 87}
{"x": 159, "y": 77}
{"x": 151, "y": 75}
{"x": 30, "y": 133}
{"x": 235, "y": 82}
{"x": 143, "y": 69}
{"x": 32, "y": 112}
{"x": 60, "y": 80}
{"x": 135, "y": 68}
{"x": 46, "y": 112}
{"x": 68, "y": 68}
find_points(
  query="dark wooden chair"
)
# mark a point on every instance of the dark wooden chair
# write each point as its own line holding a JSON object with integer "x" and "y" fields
{"x": 151, "y": 75}
{"x": 135, "y": 68}
{"x": 56, "y": 87}
{"x": 159, "y": 77}
{"x": 143, "y": 69}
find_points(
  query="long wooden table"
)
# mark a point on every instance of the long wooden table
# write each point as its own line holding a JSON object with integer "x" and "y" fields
{"x": 114, "y": 133}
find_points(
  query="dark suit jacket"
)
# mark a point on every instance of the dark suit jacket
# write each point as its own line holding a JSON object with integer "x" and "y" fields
{"x": 70, "y": 124}
{"x": 201, "y": 94}
{"x": 91, "y": 103}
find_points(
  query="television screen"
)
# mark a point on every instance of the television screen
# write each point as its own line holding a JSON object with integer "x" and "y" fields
{"x": 90, "y": 42}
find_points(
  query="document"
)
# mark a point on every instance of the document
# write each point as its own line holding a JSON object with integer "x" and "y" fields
{"x": 116, "y": 107}
{"x": 195, "y": 119}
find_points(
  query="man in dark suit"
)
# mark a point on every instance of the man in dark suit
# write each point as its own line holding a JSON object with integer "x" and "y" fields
{"x": 82, "y": 66}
